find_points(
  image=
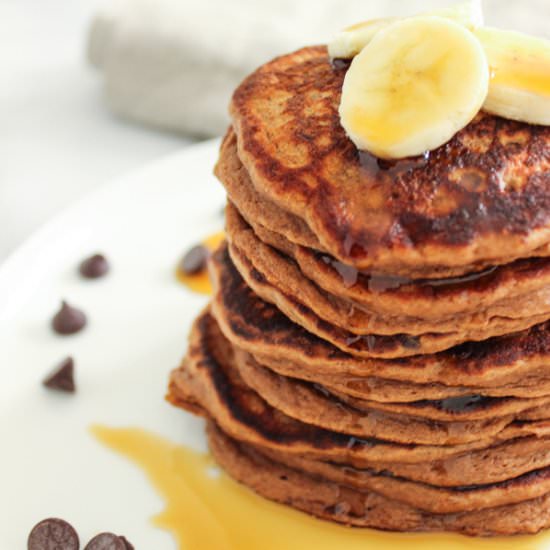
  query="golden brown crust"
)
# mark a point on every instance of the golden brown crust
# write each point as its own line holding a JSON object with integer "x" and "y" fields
{"x": 340, "y": 370}
{"x": 509, "y": 474}
{"x": 375, "y": 344}
{"x": 288, "y": 392}
{"x": 337, "y": 501}
{"x": 209, "y": 379}
{"x": 479, "y": 198}
{"x": 515, "y": 294}
{"x": 262, "y": 330}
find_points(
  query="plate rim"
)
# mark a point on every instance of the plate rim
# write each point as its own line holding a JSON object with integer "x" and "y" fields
{"x": 14, "y": 262}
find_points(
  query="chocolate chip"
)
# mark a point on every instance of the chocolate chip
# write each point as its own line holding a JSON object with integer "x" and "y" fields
{"x": 53, "y": 534}
{"x": 107, "y": 541}
{"x": 129, "y": 545}
{"x": 195, "y": 260}
{"x": 62, "y": 378}
{"x": 94, "y": 267}
{"x": 68, "y": 320}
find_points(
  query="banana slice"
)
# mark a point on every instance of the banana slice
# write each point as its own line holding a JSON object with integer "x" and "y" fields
{"x": 469, "y": 14}
{"x": 349, "y": 42}
{"x": 519, "y": 88}
{"x": 416, "y": 84}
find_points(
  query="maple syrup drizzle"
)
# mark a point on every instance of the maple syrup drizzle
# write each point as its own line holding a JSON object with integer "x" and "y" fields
{"x": 383, "y": 283}
{"x": 206, "y": 509}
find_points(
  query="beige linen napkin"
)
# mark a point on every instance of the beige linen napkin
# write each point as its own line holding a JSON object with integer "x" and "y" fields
{"x": 174, "y": 63}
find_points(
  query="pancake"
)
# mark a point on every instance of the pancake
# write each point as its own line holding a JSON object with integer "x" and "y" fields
{"x": 340, "y": 503}
{"x": 494, "y": 464}
{"x": 317, "y": 401}
{"x": 430, "y": 498}
{"x": 384, "y": 390}
{"x": 434, "y": 299}
{"x": 304, "y": 403}
{"x": 524, "y": 458}
{"x": 262, "y": 330}
{"x": 374, "y": 344}
{"x": 282, "y": 273}
{"x": 376, "y": 349}
{"x": 417, "y": 295}
{"x": 481, "y": 199}
{"x": 234, "y": 177}
{"x": 461, "y": 407}
{"x": 209, "y": 381}
{"x": 255, "y": 423}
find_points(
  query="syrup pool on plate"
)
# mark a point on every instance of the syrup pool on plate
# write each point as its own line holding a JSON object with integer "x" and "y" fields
{"x": 206, "y": 510}
{"x": 199, "y": 282}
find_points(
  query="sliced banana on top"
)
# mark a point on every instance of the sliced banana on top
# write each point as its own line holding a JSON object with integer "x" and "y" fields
{"x": 519, "y": 88}
{"x": 417, "y": 83}
{"x": 349, "y": 42}
{"x": 469, "y": 14}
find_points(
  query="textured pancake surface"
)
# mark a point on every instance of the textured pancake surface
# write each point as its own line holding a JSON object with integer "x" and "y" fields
{"x": 341, "y": 503}
{"x": 292, "y": 235}
{"x": 507, "y": 473}
{"x": 482, "y": 198}
{"x": 320, "y": 402}
{"x": 393, "y": 297}
{"x": 374, "y": 344}
{"x": 520, "y": 295}
{"x": 209, "y": 379}
{"x": 254, "y": 205}
{"x": 376, "y": 350}
{"x": 261, "y": 329}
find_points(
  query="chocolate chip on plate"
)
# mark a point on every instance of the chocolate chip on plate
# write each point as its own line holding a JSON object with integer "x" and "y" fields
{"x": 68, "y": 320}
{"x": 129, "y": 545}
{"x": 195, "y": 260}
{"x": 53, "y": 534}
{"x": 107, "y": 541}
{"x": 62, "y": 378}
{"x": 94, "y": 267}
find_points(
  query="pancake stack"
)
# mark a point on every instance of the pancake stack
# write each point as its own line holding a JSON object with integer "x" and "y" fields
{"x": 377, "y": 349}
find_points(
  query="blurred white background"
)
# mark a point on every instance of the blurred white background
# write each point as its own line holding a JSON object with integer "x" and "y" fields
{"x": 57, "y": 140}
{"x": 58, "y": 137}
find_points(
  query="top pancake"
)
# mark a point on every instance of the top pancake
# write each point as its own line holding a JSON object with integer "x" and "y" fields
{"x": 483, "y": 197}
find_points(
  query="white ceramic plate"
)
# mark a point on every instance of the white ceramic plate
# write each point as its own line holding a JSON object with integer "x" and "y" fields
{"x": 139, "y": 317}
